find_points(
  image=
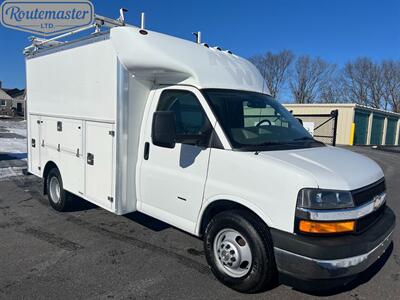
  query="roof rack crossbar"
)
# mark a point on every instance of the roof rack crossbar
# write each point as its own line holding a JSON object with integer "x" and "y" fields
{"x": 99, "y": 21}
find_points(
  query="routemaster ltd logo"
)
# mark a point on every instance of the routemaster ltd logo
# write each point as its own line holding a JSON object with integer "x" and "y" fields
{"x": 46, "y": 17}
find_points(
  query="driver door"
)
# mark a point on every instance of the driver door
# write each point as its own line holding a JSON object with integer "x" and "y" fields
{"x": 172, "y": 180}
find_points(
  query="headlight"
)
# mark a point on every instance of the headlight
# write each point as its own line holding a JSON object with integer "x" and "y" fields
{"x": 324, "y": 199}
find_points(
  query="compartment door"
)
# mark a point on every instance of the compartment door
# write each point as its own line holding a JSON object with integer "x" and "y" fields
{"x": 34, "y": 145}
{"x": 100, "y": 164}
{"x": 71, "y": 157}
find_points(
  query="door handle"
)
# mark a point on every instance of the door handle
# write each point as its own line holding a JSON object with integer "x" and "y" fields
{"x": 90, "y": 159}
{"x": 33, "y": 143}
{"x": 146, "y": 151}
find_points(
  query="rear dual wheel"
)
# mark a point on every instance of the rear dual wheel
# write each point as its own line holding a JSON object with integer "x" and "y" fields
{"x": 239, "y": 250}
{"x": 58, "y": 197}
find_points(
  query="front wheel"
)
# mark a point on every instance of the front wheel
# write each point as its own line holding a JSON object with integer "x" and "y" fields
{"x": 239, "y": 251}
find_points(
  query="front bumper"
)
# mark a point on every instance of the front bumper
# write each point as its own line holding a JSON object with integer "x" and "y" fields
{"x": 311, "y": 258}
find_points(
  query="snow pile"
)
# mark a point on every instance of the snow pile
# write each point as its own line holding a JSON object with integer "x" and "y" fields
{"x": 11, "y": 171}
{"x": 13, "y": 147}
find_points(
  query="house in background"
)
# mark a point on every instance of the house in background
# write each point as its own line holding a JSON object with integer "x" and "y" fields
{"x": 18, "y": 101}
{"x": 12, "y": 101}
{"x": 6, "y": 102}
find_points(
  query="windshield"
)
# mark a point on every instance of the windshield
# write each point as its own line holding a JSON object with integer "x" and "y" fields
{"x": 254, "y": 121}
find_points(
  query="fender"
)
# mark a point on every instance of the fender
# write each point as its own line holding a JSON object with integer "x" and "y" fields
{"x": 237, "y": 200}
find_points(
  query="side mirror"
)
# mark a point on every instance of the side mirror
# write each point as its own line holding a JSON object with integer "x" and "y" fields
{"x": 300, "y": 121}
{"x": 163, "y": 130}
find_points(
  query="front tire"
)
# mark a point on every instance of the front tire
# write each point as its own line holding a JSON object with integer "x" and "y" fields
{"x": 58, "y": 197}
{"x": 239, "y": 250}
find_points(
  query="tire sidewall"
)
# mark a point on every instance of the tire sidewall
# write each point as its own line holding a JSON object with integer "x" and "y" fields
{"x": 59, "y": 206}
{"x": 262, "y": 262}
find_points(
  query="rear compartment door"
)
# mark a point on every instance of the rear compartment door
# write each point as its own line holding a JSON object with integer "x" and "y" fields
{"x": 34, "y": 145}
{"x": 100, "y": 163}
{"x": 71, "y": 156}
{"x": 62, "y": 144}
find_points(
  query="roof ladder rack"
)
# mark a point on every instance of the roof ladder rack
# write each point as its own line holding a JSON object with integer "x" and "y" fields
{"x": 99, "y": 21}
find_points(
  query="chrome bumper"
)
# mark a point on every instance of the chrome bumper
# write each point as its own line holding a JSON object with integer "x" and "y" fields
{"x": 309, "y": 268}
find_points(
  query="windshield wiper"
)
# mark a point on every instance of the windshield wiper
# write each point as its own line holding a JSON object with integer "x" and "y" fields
{"x": 304, "y": 138}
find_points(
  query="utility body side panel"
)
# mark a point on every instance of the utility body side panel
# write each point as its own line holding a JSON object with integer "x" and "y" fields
{"x": 61, "y": 143}
{"x": 73, "y": 94}
{"x": 79, "y": 83}
{"x": 34, "y": 141}
{"x": 99, "y": 166}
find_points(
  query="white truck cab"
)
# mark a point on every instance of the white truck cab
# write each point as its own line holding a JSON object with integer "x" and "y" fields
{"x": 134, "y": 120}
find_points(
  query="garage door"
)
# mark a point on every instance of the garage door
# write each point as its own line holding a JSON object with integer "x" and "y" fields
{"x": 391, "y": 131}
{"x": 361, "y": 121}
{"x": 377, "y": 129}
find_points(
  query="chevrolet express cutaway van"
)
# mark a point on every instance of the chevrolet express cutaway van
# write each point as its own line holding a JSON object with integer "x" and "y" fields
{"x": 134, "y": 120}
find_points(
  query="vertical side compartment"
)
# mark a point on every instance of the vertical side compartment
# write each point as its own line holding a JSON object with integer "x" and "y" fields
{"x": 61, "y": 143}
{"x": 100, "y": 164}
{"x": 71, "y": 155}
{"x": 34, "y": 145}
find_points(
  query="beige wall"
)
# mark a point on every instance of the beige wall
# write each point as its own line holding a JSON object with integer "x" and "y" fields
{"x": 6, "y": 110}
{"x": 345, "y": 120}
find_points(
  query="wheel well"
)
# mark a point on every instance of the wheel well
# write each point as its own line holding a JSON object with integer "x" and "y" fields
{"x": 49, "y": 165}
{"x": 223, "y": 205}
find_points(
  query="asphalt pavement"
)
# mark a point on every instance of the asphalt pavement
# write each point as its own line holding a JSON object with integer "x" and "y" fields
{"x": 89, "y": 253}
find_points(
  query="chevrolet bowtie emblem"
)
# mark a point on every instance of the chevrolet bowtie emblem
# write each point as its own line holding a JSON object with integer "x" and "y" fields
{"x": 379, "y": 200}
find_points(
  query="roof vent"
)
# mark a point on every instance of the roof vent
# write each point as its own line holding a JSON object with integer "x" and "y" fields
{"x": 205, "y": 45}
{"x": 198, "y": 37}
{"x": 218, "y": 48}
{"x": 142, "y": 20}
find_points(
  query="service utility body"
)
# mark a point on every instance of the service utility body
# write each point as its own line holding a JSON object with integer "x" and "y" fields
{"x": 134, "y": 120}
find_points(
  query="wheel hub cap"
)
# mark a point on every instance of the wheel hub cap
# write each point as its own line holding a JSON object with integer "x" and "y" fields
{"x": 232, "y": 253}
{"x": 55, "y": 190}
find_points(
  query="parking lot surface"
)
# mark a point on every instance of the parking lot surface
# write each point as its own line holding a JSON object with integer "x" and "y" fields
{"x": 89, "y": 253}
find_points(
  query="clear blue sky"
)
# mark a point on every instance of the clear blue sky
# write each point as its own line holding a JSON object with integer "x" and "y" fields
{"x": 336, "y": 30}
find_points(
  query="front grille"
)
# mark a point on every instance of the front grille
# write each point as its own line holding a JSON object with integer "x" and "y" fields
{"x": 367, "y": 193}
{"x": 365, "y": 222}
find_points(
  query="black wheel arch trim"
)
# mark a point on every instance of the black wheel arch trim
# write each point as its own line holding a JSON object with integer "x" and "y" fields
{"x": 49, "y": 166}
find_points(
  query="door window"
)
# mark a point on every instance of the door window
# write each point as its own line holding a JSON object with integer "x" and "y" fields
{"x": 189, "y": 115}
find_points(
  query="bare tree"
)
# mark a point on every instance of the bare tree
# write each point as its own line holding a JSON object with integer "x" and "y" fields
{"x": 274, "y": 69}
{"x": 307, "y": 76}
{"x": 375, "y": 84}
{"x": 391, "y": 84}
{"x": 331, "y": 87}
{"x": 355, "y": 82}
{"x": 363, "y": 82}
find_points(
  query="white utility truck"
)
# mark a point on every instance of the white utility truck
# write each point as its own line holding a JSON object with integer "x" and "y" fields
{"x": 134, "y": 120}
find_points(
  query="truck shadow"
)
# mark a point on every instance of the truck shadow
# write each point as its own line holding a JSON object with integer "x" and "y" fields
{"x": 331, "y": 288}
{"x": 147, "y": 221}
{"x": 79, "y": 204}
